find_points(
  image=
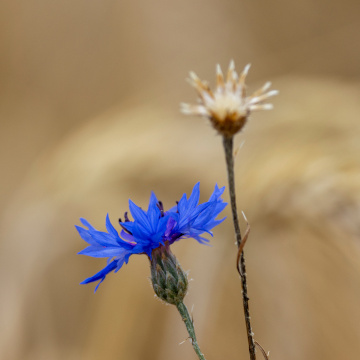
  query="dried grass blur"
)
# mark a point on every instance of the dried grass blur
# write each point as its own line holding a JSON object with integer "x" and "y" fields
{"x": 89, "y": 118}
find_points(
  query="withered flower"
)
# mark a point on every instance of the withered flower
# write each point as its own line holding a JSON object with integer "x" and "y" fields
{"x": 228, "y": 107}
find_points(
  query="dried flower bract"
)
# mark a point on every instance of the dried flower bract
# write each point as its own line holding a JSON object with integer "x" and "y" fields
{"x": 228, "y": 107}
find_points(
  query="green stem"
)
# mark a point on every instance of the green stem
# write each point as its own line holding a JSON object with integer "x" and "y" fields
{"x": 228, "y": 147}
{"x": 190, "y": 328}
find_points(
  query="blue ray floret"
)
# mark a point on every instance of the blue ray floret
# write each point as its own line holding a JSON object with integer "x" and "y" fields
{"x": 151, "y": 229}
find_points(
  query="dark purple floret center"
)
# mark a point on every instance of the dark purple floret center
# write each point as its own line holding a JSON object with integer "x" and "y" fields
{"x": 126, "y": 220}
{"x": 161, "y": 208}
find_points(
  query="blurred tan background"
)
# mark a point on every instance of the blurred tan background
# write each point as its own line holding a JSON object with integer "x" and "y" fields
{"x": 90, "y": 92}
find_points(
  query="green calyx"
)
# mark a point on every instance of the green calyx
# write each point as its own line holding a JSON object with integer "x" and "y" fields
{"x": 169, "y": 280}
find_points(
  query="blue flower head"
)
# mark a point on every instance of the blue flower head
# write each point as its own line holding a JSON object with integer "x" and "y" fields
{"x": 151, "y": 229}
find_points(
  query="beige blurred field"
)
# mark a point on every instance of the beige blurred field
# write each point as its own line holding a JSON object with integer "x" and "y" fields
{"x": 89, "y": 117}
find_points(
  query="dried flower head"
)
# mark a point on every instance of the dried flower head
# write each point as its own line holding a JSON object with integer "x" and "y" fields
{"x": 228, "y": 107}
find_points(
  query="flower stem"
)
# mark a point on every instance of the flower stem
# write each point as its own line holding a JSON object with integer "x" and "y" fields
{"x": 228, "y": 147}
{"x": 190, "y": 328}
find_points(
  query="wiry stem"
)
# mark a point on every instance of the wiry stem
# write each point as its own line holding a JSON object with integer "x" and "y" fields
{"x": 228, "y": 147}
{"x": 190, "y": 328}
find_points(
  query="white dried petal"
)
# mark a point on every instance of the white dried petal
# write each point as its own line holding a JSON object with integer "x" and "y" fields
{"x": 228, "y": 107}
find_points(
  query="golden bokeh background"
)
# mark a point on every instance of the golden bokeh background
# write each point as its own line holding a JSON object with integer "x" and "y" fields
{"x": 89, "y": 116}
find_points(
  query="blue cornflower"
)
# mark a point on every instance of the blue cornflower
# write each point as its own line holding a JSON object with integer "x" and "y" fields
{"x": 151, "y": 229}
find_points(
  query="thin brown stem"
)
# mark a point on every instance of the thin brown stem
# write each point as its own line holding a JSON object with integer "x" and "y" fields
{"x": 228, "y": 147}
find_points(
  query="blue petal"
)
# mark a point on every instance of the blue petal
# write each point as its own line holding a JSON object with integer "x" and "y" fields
{"x": 85, "y": 235}
{"x": 109, "y": 227}
{"x": 201, "y": 240}
{"x": 194, "y": 197}
{"x": 87, "y": 224}
{"x": 188, "y": 221}
{"x": 182, "y": 204}
{"x": 139, "y": 214}
{"x": 100, "y": 251}
{"x": 95, "y": 237}
{"x": 217, "y": 193}
{"x": 153, "y": 213}
{"x": 185, "y": 206}
{"x": 128, "y": 225}
{"x": 126, "y": 236}
{"x": 208, "y": 215}
{"x": 193, "y": 219}
{"x": 101, "y": 274}
{"x": 170, "y": 224}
